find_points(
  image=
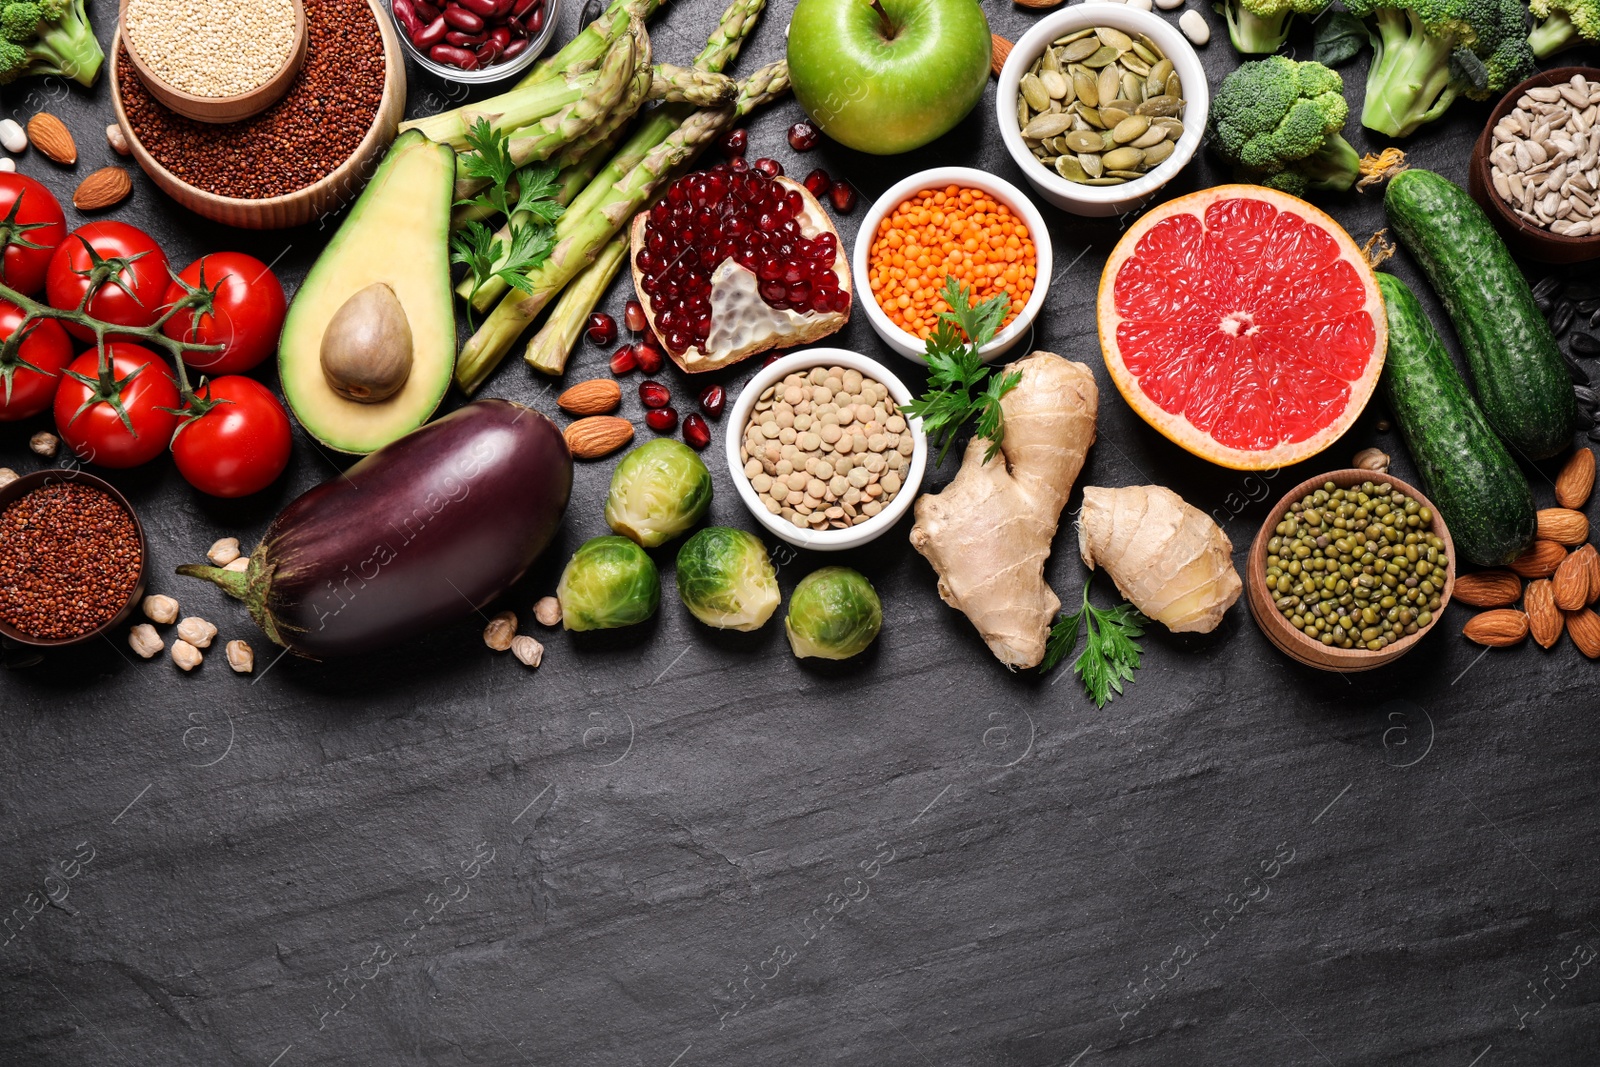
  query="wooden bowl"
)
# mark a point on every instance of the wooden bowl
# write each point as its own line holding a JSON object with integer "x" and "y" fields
{"x": 322, "y": 197}
{"x": 27, "y": 484}
{"x": 1297, "y": 645}
{"x": 1523, "y": 237}
{"x": 223, "y": 108}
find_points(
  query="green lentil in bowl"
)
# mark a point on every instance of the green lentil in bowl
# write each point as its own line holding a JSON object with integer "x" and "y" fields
{"x": 1357, "y": 567}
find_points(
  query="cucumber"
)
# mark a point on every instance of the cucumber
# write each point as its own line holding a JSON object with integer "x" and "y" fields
{"x": 1466, "y": 470}
{"x": 1517, "y": 371}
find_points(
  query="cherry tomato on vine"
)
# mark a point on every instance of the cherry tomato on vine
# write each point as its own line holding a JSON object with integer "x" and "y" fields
{"x": 246, "y": 314}
{"x": 28, "y": 213}
{"x": 239, "y": 443}
{"x": 131, "y": 268}
{"x": 30, "y": 373}
{"x": 86, "y": 407}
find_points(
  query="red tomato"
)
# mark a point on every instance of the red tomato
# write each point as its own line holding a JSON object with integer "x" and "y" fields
{"x": 144, "y": 386}
{"x": 27, "y": 390}
{"x": 240, "y": 445}
{"x": 135, "y": 271}
{"x": 38, "y": 220}
{"x": 246, "y": 316}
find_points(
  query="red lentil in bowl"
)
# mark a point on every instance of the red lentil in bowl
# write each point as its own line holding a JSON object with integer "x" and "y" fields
{"x": 72, "y": 558}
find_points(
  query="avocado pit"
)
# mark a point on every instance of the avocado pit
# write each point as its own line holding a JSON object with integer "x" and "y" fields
{"x": 366, "y": 349}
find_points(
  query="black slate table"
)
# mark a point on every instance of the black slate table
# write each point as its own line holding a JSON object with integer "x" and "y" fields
{"x": 673, "y": 847}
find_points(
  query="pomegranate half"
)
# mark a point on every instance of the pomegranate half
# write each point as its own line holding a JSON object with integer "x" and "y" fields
{"x": 731, "y": 262}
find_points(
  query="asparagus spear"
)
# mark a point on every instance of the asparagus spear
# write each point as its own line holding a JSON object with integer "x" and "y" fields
{"x": 543, "y": 139}
{"x": 567, "y": 319}
{"x": 590, "y": 43}
{"x": 687, "y": 85}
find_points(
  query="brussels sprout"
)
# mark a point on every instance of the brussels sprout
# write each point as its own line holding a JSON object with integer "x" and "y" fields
{"x": 834, "y": 613}
{"x": 609, "y": 582}
{"x": 726, "y": 580}
{"x": 659, "y": 490}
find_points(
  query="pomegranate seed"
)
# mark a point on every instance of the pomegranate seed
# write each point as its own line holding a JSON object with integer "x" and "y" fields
{"x": 654, "y": 394}
{"x": 661, "y": 420}
{"x": 818, "y": 183}
{"x": 649, "y": 356}
{"x": 633, "y": 315}
{"x": 803, "y": 136}
{"x": 695, "y": 432}
{"x": 602, "y": 329}
{"x": 734, "y": 143}
{"x": 844, "y": 198}
{"x": 711, "y": 400}
{"x": 626, "y": 359}
{"x": 768, "y": 166}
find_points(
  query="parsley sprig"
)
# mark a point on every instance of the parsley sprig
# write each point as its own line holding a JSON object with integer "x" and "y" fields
{"x": 1109, "y": 657}
{"x": 525, "y": 195}
{"x": 955, "y": 369}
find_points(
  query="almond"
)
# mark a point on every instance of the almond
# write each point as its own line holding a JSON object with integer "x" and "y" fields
{"x": 999, "y": 49}
{"x": 1563, "y": 526}
{"x": 1576, "y": 480}
{"x": 102, "y": 189}
{"x": 597, "y": 396}
{"x": 1544, "y": 620}
{"x": 1540, "y": 561}
{"x": 1570, "y": 585}
{"x": 51, "y": 136}
{"x": 1500, "y": 628}
{"x": 1488, "y": 589}
{"x": 1584, "y": 626}
{"x": 1591, "y": 563}
{"x": 598, "y": 435}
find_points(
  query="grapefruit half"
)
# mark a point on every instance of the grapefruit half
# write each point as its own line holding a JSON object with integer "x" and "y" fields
{"x": 1243, "y": 324}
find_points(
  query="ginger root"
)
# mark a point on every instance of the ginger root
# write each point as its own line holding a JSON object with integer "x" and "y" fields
{"x": 1165, "y": 556}
{"x": 988, "y": 533}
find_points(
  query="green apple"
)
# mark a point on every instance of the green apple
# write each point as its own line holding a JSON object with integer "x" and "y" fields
{"x": 887, "y": 76}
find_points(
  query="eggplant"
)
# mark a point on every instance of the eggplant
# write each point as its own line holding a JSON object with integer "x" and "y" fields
{"x": 421, "y": 533}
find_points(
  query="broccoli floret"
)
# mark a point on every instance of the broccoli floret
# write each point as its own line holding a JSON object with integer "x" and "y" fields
{"x": 1260, "y": 27}
{"x": 1429, "y": 52}
{"x": 47, "y": 37}
{"x": 1278, "y": 122}
{"x": 1562, "y": 24}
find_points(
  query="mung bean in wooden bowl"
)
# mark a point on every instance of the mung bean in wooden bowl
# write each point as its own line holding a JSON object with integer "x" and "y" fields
{"x": 1524, "y": 236}
{"x": 244, "y": 174}
{"x": 1304, "y": 542}
{"x": 73, "y": 559}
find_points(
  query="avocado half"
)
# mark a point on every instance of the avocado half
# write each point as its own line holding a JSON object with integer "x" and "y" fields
{"x": 398, "y": 234}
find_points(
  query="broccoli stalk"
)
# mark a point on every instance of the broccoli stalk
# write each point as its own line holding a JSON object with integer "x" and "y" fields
{"x": 1261, "y": 27}
{"x": 1278, "y": 122}
{"x": 1562, "y": 24}
{"x": 1427, "y": 53}
{"x": 47, "y": 37}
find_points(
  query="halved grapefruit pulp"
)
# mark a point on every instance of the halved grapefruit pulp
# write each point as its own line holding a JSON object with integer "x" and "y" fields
{"x": 1243, "y": 324}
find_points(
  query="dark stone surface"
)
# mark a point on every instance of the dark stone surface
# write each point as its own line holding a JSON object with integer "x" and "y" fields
{"x": 693, "y": 849}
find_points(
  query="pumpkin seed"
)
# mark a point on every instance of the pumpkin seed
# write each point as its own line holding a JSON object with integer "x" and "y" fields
{"x": 1092, "y": 116}
{"x": 1109, "y": 84}
{"x": 1160, "y": 106}
{"x": 1147, "y": 52}
{"x": 1069, "y": 168}
{"x": 1053, "y": 83}
{"x": 1157, "y": 154}
{"x": 1105, "y": 181}
{"x": 1132, "y": 87}
{"x": 1113, "y": 37}
{"x": 1174, "y": 87}
{"x": 1156, "y": 78}
{"x": 1049, "y": 61}
{"x": 1173, "y": 127}
{"x": 1107, "y": 142}
{"x": 1083, "y": 141}
{"x": 1153, "y": 136}
{"x": 1077, "y": 35}
{"x": 1103, "y": 56}
{"x": 1084, "y": 85}
{"x": 1034, "y": 92}
{"x": 1116, "y": 111}
{"x": 1131, "y": 61}
{"x": 1048, "y": 126}
{"x": 1023, "y": 115}
{"x": 1081, "y": 49}
{"x": 1091, "y": 164}
{"x": 1122, "y": 159}
{"x": 1131, "y": 175}
{"x": 1132, "y": 128}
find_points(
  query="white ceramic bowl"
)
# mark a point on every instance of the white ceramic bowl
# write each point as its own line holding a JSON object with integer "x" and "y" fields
{"x": 1103, "y": 200}
{"x": 824, "y": 540}
{"x": 910, "y": 345}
